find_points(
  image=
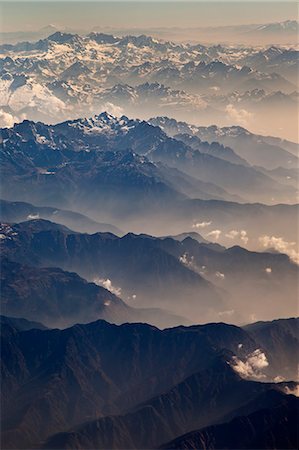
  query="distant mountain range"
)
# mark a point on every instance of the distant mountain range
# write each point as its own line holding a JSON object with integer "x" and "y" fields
{"x": 69, "y": 299}
{"x": 133, "y": 168}
{"x": 266, "y": 33}
{"x": 13, "y": 212}
{"x": 257, "y": 150}
{"x": 142, "y": 76}
{"x": 153, "y": 387}
{"x": 59, "y": 154}
{"x": 21, "y": 324}
{"x": 282, "y": 33}
{"x": 145, "y": 271}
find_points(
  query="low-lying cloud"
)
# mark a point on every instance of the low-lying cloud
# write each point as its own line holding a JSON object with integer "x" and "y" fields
{"x": 215, "y": 234}
{"x": 113, "y": 109}
{"x": 33, "y": 216}
{"x": 232, "y": 234}
{"x": 252, "y": 366}
{"x": 281, "y": 246}
{"x": 201, "y": 224}
{"x": 188, "y": 261}
{"x": 184, "y": 259}
{"x": 107, "y": 284}
{"x": 227, "y": 313}
{"x": 7, "y": 120}
{"x": 238, "y": 234}
{"x": 292, "y": 391}
{"x": 239, "y": 116}
{"x": 220, "y": 275}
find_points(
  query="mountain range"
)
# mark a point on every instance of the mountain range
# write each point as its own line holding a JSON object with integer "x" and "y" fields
{"x": 283, "y": 32}
{"x": 212, "y": 280}
{"x": 153, "y": 387}
{"x": 274, "y": 426}
{"x": 148, "y": 237}
{"x": 13, "y": 212}
{"x": 69, "y": 299}
{"x": 257, "y": 150}
{"x": 144, "y": 76}
{"x": 132, "y": 168}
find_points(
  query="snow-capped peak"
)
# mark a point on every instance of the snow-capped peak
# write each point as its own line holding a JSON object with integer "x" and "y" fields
{"x": 104, "y": 123}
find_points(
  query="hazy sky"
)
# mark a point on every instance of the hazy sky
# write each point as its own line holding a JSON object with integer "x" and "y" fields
{"x": 85, "y": 15}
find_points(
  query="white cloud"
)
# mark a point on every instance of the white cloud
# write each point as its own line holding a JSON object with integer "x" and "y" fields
{"x": 243, "y": 236}
{"x": 107, "y": 284}
{"x": 215, "y": 234}
{"x": 183, "y": 259}
{"x": 33, "y": 216}
{"x": 239, "y": 116}
{"x": 187, "y": 261}
{"x": 115, "y": 110}
{"x": 280, "y": 245}
{"x": 278, "y": 379}
{"x": 201, "y": 224}
{"x": 252, "y": 366}
{"x": 234, "y": 234}
{"x": 7, "y": 120}
{"x": 220, "y": 275}
{"x": 292, "y": 391}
